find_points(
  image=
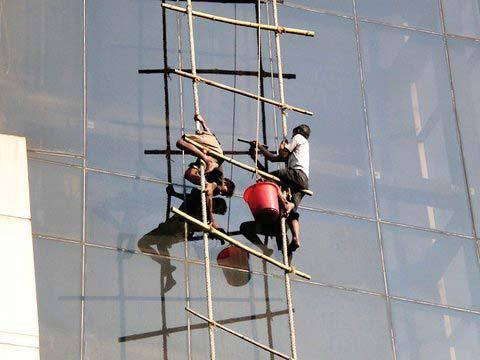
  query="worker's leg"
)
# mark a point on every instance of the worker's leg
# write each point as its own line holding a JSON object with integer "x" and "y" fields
{"x": 287, "y": 205}
{"x": 211, "y": 163}
{"x": 294, "y": 226}
{"x": 250, "y": 230}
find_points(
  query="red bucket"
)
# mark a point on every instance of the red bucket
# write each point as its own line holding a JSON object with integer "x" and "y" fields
{"x": 262, "y": 198}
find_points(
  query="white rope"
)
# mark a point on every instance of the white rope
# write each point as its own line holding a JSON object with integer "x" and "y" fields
{"x": 291, "y": 320}
{"x": 203, "y": 184}
{"x": 259, "y": 62}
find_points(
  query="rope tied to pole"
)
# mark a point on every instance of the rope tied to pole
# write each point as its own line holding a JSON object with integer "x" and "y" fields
{"x": 259, "y": 60}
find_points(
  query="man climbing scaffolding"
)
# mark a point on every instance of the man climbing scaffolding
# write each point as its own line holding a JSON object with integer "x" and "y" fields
{"x": 216, "y": 183}
{"x": 295, "y": 175}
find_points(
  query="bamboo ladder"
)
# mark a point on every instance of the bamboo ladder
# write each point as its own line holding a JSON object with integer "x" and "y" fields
{"x": 278, "y": 30}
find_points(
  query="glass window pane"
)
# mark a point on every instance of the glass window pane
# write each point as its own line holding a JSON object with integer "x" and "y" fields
{"x": 56, "y": 193}
{"x": 425, "y": 332}
{"x": 416, "y": 154}
{"x": 465, "y": 61}
{"x": 462, "y": 17}
{"x": 58, "y": 275}
{"x": 340, "y": 251}
{"x": 134, "y": 307}
{"x": 335, "y": 324}
{"x": 343, "y": 6}
{"x": 41, "y": 77}
{"x": 433, "y": 267}
{"x": 423, "y": 14}
{"x": 122, "y": 211}
{"x": 326, "y": 65}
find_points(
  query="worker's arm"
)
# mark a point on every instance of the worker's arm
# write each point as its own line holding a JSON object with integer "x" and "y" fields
{"x": 280, "y": 157}
{"x": 254, "y": 157}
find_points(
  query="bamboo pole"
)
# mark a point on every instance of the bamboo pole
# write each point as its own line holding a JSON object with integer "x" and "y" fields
{"x": 221, "y": 235}
{"x": 243, "y": 337}
{"x": 242, "y": 165}
{"x": 278, "y": 29}
{"x": 242, "y": 92}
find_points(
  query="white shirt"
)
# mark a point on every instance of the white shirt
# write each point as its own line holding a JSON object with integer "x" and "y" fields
{"x": 299, "y": 157}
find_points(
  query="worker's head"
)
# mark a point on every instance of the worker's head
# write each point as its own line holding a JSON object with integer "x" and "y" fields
{"x": 219, "y": 205}
{"x": 303, "y": 130}
{"x": 227, "y": 188}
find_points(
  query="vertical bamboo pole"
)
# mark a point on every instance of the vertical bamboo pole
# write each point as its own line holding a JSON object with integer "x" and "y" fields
{"x": 211, "y": 330}
{"x": 288, "y": 291}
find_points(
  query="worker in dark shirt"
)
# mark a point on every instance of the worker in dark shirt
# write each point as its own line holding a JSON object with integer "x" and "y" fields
{"x": 296, "y": 156}
{"x": 216, "y": 183}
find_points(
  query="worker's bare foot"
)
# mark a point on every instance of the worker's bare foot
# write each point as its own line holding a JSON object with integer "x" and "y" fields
{"x": 288, "y": 208}
{"x": 211, "y": 165}
{"x": 293, "y": 246}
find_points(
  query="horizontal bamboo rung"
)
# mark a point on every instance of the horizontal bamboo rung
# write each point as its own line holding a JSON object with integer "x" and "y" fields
{"x": 279, "y": 29}
{"x": 242, "y": 92}
{"x": 237, "y": 334}
{"x": 242, "y": 165}
{"x": 227, "y": 238}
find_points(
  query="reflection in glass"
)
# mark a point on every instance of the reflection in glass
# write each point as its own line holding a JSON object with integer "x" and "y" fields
{"x": 58, "y": 269}
{"x": 56, "y": 193}
{"x": 415, "y": 150}
{"x": 41, "y": 73}
{"x": 465, "y": 62}
{"x": 425, "y": 333}
{"x": 129, "y": 314}
{"x": 433, "y": 267}
{"x": 462, "y": 17}
{"x": 334, "y": 324}
{"x": 340, "y": 251}
{"x": 421, "y": 14}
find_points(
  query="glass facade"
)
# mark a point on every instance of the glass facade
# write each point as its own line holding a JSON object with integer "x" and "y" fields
{"x": 390, "y": 236}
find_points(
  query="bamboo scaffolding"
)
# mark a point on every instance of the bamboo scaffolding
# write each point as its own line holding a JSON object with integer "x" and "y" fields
{"x": 243, "y": 337}
{"x": 221, "y": 235}
{"x": 242, "y": 165}
{"x": 242, "y": 92}
{"x": 277, "y": 29}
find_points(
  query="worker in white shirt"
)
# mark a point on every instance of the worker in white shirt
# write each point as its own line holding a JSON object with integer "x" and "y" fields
{"x": 296, "y": 155}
